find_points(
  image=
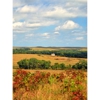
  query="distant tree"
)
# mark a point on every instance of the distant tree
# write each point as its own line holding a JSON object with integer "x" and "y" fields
{"x": 80, "y": 65}
{"x": 62, "y": 66}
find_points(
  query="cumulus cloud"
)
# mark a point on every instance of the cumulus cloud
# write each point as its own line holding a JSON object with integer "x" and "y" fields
{"x": 28, "y": 15}
{"x": 21, "y": 27}
{"x": 17, "y": 3}
{"x": 46, "y": 35}
{"x": 79, "y": 38}
{"x": 40, "y": 23}
{"x": 56, "y": 33}
{"x": 58, "y": 12}
{"x": 29, "y": 35}
{"x": 33, "y": 25}
{"x": 68, "y": 25}
{"x": 18, "y": 24}
{"x": 31, "y": 16}
{"x": 27, "y": 9}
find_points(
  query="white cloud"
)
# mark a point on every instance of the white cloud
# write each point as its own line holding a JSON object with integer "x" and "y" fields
{"x": 83, "y": 1}
{"x": 68, "y": 25}
{"x": 31, "y": 16}
{"x": 79, "y": 32}
{"x": 42, "y": 15}
{"x": 19, "y": 31}
{"x": 48, "y": 23}
{"x": 18, "y": 24}
{"x": 27, "y": 9}
{"x": 33, "y": 25}
{"x": 79, "y": 38}
{"x": 57, "y": 33}
{"x": 58, "y": 12}
{"x": 40, "y": 23}
{"x": 29, "y": 35}
{"x": 78, "y": 8}
{"x": 46, "y": 35}
{"x": 21, "y": 27}
{"x": 17, "y": 3}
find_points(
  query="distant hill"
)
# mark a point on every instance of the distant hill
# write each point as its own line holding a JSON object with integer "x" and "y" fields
{"x": 40, "y": 48}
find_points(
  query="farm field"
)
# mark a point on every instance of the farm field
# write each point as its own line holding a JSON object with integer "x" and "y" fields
{"x": 53, "y": 59}
{"x": 57, "y": 48}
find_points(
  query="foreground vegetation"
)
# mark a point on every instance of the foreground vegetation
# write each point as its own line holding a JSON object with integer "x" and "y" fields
{"x": 67, "y": 85}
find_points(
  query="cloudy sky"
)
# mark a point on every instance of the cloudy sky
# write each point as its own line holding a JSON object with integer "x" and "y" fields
{"x": 50, "y": 23}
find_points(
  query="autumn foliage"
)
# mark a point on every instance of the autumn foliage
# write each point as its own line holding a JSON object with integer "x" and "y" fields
{"x": 68, "y": 85}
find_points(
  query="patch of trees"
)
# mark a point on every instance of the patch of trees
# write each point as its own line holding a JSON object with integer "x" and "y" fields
{"x": 66, "y": 53}
{"x": 80, "y": 65}
{"x": 33, "y": 63}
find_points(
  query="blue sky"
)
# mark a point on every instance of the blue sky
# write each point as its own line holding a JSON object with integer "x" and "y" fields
{"x": 50, "y": 23}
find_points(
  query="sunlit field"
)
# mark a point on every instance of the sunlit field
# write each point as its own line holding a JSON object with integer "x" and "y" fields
{"x": 53, "y": 59}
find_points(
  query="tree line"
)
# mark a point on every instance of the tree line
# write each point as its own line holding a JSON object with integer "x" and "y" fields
{"x": 66, "y": 53}
{"x": 33, "y": 63}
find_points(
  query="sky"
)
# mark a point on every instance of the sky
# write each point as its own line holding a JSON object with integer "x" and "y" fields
{"x": 59, "y": 23}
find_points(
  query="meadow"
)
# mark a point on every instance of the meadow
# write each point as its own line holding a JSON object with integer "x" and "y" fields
{"x": 53, "y": 59}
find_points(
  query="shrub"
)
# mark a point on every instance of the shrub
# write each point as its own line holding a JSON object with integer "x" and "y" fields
{"x": 81, "y": 65}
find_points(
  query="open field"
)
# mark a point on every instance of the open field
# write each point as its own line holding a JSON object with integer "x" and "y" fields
{"x": 57, "y": 48}
{"x": 55, "y": 59}
{"x": 53, "y": 48}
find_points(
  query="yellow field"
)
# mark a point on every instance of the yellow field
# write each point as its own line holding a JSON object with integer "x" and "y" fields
{"x": 53, "y": 48}
{"x": 55, "y": 59}
{"x": 40, "y": 49}
{"x": 59, "y": 48}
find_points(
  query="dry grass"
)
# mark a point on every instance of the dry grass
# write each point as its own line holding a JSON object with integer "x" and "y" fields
{"x": 49, "y": 92}
{"x": 55, "y": 59}
{"x": 58, "y": 48}
{"x": 40, "y": 49}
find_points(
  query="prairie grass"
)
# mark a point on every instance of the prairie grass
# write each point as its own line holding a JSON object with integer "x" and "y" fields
{"x": 66, "y": 85}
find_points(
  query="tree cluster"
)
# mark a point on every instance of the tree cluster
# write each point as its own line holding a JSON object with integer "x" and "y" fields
{"x": 33, "y": 63}
{"x": 66, "y": 53}
{"x": 80, "y": 65}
